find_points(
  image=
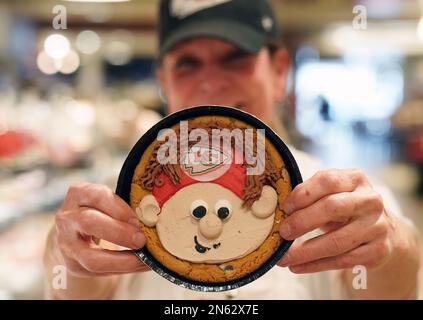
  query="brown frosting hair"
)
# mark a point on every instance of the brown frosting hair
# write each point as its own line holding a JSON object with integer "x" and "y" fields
{"x": 254, "y": 183}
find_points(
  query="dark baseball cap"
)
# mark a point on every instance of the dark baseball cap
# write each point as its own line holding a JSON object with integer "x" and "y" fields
{"x": 248, "y": 24}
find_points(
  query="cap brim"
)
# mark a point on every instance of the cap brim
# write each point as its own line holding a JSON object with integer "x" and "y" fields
{"x": 242, "y": 36}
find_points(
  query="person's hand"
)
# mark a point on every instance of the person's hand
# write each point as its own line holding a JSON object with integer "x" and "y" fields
{"x": 89, "y": 213}
{"x": 357, "y": 228}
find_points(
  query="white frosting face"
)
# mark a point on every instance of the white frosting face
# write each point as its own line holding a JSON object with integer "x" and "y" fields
{"x": 189, "y": 226}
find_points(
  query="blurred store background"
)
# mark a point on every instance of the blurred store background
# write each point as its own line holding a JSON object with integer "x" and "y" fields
{"x": 74, "y": 101}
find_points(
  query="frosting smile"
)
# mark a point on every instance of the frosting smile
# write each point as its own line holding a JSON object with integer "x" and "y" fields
{"x": 202, "y": 249}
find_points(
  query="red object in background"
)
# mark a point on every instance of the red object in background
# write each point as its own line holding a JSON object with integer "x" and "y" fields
{"x": 12, "y": 143}
{"x": 414, "y": 147}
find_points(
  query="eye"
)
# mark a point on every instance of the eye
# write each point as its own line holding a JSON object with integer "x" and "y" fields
{"x": 238, "y": 59}
{"x": 198, "y": 209}
{"x": 223, "y": 209}
{"x": 186, "y": 63}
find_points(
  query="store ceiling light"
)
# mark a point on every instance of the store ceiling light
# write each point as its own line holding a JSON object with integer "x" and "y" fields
{"x": 69, "y": 64}
{"x": 56, "y": 46}
{"x": 88, "y": 42}
{"x": 118, "y": 53}
{"x": 395, "y": 35}
{"x": 46, "y": 64}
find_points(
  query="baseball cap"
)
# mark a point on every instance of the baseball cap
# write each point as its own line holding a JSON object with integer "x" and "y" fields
{"x": 248, "y": 24}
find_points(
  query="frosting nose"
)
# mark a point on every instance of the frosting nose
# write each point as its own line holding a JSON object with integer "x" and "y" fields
{"x": 210, "y": 226}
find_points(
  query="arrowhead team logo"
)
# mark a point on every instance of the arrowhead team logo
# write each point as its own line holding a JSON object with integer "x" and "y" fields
{"x": 206, "y": 163}
{"x": 208, "y": 159}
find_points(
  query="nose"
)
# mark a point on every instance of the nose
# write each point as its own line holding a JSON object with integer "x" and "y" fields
{"x": 210, "y": 226}
{"x": 212, "y": 82}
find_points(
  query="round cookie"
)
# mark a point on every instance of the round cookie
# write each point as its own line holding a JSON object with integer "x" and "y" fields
{"x": 210, "y": 212}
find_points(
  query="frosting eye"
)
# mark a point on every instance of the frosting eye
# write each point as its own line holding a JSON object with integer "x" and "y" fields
{"x": 223, "y": 209}
{"x": 198, "y": 209}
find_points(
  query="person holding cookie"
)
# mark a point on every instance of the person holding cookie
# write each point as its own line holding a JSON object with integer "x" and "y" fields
{"x": 229, "y": 52}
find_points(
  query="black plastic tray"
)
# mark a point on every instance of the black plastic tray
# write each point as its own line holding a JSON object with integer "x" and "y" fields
{"x": 125, "y": 178}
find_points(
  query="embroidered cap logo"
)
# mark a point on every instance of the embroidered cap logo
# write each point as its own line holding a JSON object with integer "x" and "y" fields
{"x": 183, "y": 8}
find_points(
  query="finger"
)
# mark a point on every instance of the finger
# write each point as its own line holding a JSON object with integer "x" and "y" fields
{"x": 322, "y": 184}
{"x": 369, "y": 255}
{"x": 76, "y": 270}
{"x": 97, "y": 260}
{"x": 108, "y": 261}
{"x": 338, "y": 208}
{"x": 101, "y": 198}
{"x": 332, "y": 226}
{"x": 335, "y": 243}
{"x": 142, "y": 268}
{"x": 94, "y": 223}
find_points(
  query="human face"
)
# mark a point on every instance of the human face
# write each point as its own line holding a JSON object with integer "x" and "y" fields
{"x": 210, "y": 71}
{"x": 210, "y": 238}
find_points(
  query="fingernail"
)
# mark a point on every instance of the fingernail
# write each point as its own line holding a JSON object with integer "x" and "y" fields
{"x": 288, "y": 207}
{"x": 138, "y": 239}
{"x": 285, "y": 231}
{"x": 135, "y": 222}
{"x": 284, "y": 262}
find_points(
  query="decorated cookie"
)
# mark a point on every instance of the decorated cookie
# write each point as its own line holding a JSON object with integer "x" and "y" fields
{"x": 208, "y": 185}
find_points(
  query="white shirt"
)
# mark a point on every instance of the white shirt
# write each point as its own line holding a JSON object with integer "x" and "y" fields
{"x": 278, "y": 283}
